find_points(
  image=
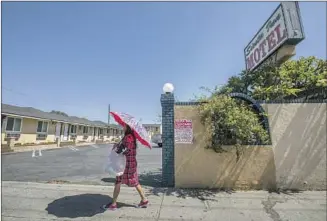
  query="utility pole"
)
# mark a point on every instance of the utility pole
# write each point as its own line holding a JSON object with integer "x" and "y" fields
{"x": 109, "y": 115}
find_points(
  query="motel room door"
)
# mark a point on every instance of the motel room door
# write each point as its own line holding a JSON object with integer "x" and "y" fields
{"x": 65, "y": 132}
{"x": 95, "y": 133}
{"x": 58, "y": 129}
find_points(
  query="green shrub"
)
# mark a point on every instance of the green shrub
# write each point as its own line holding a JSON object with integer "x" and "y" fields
{"x": 230, "y": 122}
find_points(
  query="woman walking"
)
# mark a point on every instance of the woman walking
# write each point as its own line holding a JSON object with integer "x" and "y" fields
{"x": 130, "y": 176}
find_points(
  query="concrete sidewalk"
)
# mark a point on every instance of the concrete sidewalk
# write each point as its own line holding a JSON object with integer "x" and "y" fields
{"x": 35, "y": 201}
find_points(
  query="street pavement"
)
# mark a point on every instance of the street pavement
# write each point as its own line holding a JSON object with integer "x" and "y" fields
{"x": 39, "y": 201}
{"x": 79, "y": 165}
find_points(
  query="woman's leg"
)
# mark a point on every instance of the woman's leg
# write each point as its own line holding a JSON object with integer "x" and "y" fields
{"x": 140, "y": 191}
{"x": 116, "y": 193}
{"x": 113, "y": 205}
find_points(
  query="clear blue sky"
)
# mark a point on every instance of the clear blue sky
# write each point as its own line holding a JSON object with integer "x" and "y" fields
{"x": 79, "y": 56}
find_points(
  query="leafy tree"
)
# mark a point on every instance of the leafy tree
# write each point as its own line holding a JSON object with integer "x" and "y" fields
{"x": 271, "y": 82}
{"x": 289, "y": 79}
{"x": 239, "y": 83}
{"x": 59, "y": 113}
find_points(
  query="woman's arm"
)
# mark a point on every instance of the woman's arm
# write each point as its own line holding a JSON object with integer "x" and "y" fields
{"x": 128, "y": 143}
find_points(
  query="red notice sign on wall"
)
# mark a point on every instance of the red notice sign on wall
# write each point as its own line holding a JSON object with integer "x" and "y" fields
{"x": 183, "y": 131}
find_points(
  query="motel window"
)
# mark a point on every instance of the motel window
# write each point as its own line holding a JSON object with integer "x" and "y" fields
{"x": 101, "y": 131}
{"x": 85, "y": 130}
{"x": 42, "y": 127}
{"x": 13, "y": 124}
{"x": 73, "y": 129}
{"x": 157, "y": 129}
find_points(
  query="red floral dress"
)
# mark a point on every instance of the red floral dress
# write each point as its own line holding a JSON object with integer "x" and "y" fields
{"x": 130, "y": 176}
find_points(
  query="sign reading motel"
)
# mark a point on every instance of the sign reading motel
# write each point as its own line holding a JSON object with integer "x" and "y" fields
{"x": 284, "y": 27}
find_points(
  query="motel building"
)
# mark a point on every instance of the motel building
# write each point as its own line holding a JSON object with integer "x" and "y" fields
{"x": 24, "y": 126}
{"x": 152, "y": 129}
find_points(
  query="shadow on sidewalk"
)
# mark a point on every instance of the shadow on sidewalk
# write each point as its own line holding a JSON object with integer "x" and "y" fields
{"x": 201, "y": 194}
{"x": 84, "y": 205}
{"x": 154, "y": 181}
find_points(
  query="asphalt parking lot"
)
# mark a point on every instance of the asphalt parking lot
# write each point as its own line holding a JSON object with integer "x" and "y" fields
{"x": 80, "y": 165}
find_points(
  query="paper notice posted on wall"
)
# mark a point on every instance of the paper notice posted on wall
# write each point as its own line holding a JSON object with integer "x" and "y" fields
{"x": 184, "y": 131}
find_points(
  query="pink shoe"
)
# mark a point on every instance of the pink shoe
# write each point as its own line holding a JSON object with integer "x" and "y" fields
{"x": 143, "y": 204}
{"x": 110, "y": 206}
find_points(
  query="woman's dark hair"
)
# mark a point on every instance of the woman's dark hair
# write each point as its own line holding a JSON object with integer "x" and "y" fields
{"x": 128, "y": 131}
